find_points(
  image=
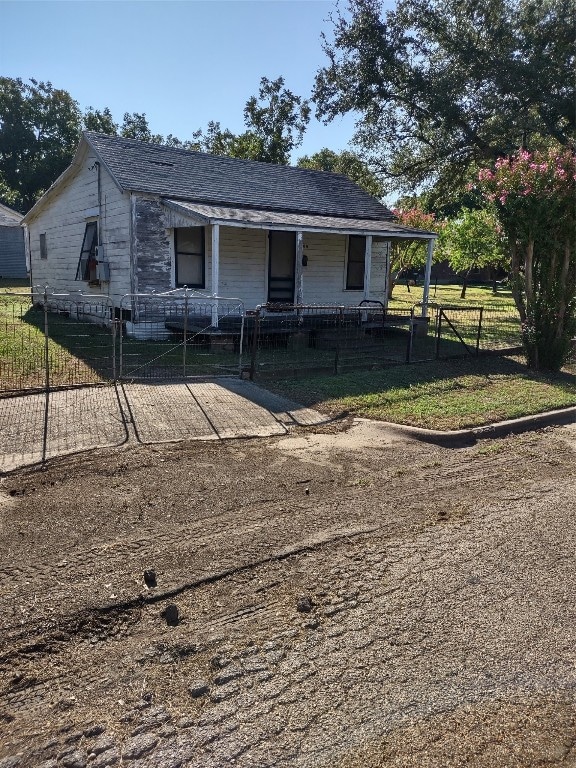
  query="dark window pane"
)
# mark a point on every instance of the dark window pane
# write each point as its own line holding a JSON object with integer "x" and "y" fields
{"x": 190, "y": 256}
{"x": 355, "y": 270}
{"x": 190, "y": 269}
{"x": 87, "y": 265}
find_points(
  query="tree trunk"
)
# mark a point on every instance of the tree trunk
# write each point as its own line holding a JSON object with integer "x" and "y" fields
{"x": 465, "y": 284}
{"x": 494, "y": 280}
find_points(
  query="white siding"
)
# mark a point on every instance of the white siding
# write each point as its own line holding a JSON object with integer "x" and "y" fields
{"x": 64, "y": 221}
{"x": 243, "y": 265}
{"x": 324, "y": 280}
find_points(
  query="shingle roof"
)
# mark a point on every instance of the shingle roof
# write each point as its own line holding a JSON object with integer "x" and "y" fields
{"x": 8, "y": 217}
{"x": 295, "y": 221}
{"x": 213, "y": 179}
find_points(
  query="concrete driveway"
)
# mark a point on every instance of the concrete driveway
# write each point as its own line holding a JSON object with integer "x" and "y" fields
{"x": 33, "y": 428}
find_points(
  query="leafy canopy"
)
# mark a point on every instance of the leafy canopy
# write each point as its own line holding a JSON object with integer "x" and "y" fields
{"x": 275, "y": 120}
{"x": 347, "y": 163}
{"x": 442, "y": 86}
{"x": 473, "y": 240}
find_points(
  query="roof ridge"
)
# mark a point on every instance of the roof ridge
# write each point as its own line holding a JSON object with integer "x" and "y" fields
{"x": 218, "y": 179}
{"x": 225, "y": 158}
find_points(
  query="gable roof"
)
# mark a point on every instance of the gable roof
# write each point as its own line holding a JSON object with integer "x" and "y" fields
{"x": 219, "y": 180}
{"x": 8, "y": 217}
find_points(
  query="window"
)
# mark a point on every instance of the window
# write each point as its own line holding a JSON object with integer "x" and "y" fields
{"x": 88, "y": 263}
{"x": 189, "y": 250}
{"x": 43, "y": 247}
{"x": 355, "y": 266}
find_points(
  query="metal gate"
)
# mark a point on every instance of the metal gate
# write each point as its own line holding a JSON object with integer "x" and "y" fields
{"x": 179, "y": 334}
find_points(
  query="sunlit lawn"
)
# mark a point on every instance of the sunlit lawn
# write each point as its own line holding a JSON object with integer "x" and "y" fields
{"x": 447, "y": 394}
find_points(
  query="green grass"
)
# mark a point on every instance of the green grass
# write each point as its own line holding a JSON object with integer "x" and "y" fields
{"x": 81, "y": 352}
{"x": 478, "y": 296}
{"x": 449, "y": 394}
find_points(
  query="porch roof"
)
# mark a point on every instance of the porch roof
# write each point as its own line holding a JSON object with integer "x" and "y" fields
{"x": 201, "y": 214}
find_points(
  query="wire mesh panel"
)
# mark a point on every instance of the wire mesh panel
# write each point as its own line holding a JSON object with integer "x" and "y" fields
{"x": 51, "y": 340}
{"x": 80, "y": 331}
{"x": 501, "y": 329}
{"x": 308, "y": 338}
{"x": 179, "y": 334}
{"x": 22, "y": 354}
{"x": 458, "y": 331}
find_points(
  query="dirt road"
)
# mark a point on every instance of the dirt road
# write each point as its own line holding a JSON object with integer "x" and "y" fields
{"x": 346, "y": 598}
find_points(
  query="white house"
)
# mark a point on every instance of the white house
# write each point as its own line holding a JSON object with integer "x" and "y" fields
{"x": 12, "y": 253}
{"x": 131, "y": 218}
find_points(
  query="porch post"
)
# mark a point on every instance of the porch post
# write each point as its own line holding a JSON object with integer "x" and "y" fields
{"x": 215, "y": 271}
{"x": 387, "y": 273}
{"x": 299, "y": 272}
{"x": 427, "y": 278}
{"x": 367, "y": 266}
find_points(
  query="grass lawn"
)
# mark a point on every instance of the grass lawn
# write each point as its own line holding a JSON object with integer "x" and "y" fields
{"x": 448, "y": 394}
{"x": 476, "y": 296}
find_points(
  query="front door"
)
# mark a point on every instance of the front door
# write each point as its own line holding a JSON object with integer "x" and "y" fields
{"x": 281, "y": 270}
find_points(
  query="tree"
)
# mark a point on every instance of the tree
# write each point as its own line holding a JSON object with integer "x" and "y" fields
{"x": 534, "y": 195}
{"x": 445, "y": 85}
{"x": 39, "y": 127}
{"x": 275, "y": 120}
{"x": 218, "y": 141}
{"x": 135, "y": 126}
{"x": 473, "y": 240}
{"x": 278, "y": 119}
{"x": 347, "y": 163}
{"x": 100, "y": 121}
{"x": 410, "y": 253}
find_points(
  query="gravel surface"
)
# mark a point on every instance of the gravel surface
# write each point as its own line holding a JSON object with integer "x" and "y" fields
{"x": 341, "y": 598}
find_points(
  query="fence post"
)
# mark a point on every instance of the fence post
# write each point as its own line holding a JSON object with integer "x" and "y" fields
{"x": 121, "y": 347}
{"x": 439, "y": 331}
{"x": 338, "y": 334}
{"x": 241, "y": 342}
{"x": 184, "y": 345}
{"x": 114, "y": 329}
{"x": 479, "y": 331}
{"x": 410, "y": 337}
{"x": 255, "y": 334}
{"x": 46, "y": 377}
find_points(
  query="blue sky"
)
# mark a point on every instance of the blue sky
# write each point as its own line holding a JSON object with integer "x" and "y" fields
{"x": 182, "y": 62}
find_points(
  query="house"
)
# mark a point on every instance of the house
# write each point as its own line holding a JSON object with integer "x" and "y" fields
{"x": 133, "y": 218}
{"x": 12, "y": 253}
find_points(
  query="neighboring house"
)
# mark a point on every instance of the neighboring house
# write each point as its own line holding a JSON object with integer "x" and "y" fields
{"x": 12, "y": 253}
{"x": 129, "y": 218}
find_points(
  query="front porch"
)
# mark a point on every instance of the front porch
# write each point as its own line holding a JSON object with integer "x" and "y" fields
{"x": 267, "y": 258}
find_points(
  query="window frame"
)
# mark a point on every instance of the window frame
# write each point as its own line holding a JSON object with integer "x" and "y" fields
{"x": 87, "y": 270}
{"x": 43, "y": 246}
{"x": 202, "y": 254}
{"x": 347, "y": 285}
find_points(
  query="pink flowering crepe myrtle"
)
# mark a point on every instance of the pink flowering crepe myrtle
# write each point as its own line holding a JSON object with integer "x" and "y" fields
{"x": 534, "y": 195}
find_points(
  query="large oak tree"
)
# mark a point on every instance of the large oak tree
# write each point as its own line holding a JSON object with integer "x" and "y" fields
{"x": 440, "y": 86}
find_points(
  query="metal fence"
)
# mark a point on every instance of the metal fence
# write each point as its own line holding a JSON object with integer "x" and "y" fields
{"x": 179, "y": 334}
{"x": 294, "y": 340}
{"x": 50, "y": 340}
